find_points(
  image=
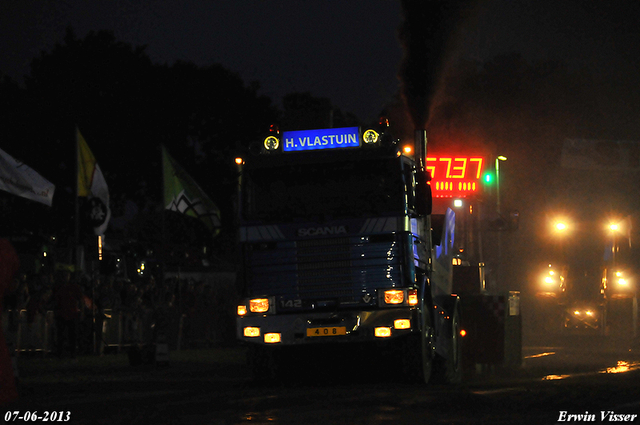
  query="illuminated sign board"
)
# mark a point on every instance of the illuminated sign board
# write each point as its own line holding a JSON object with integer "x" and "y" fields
{"x": 328, "y": 138}
{"x": 455, "y": 176}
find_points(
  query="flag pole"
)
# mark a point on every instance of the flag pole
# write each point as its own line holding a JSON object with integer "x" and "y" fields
{"x": 162, "y": 212}
{"x": 76, "y": 242}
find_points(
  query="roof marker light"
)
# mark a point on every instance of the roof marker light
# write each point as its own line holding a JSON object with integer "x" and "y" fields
{"x": 370, "y": 137}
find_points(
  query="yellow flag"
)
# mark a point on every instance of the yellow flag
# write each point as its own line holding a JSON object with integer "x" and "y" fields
{"x": 91, "y": 184}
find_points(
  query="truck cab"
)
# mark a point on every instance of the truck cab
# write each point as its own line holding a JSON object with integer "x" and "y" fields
{"x": 337, "y": 247}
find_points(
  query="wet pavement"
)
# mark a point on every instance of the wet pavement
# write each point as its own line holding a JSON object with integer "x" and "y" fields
{"x": 578, "y": 376}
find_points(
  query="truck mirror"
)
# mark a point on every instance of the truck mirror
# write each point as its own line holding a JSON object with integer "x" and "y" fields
{"x": 423, "y": 193}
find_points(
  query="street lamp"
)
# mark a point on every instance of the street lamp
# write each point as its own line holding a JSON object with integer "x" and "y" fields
{"x": 560, "y": 227}
{"x": 498, "y": 159}
{"x": 614, "y": 228}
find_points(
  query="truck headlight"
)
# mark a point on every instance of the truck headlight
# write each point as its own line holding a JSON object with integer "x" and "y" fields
{"x": 382, "y": 332}
{"x": 251, "y": 332}
{"x": 393, "y": 296}
{"x": 259, "y": 305}
{"x": 272, "y": 337}
{"x": 402, "y": 324}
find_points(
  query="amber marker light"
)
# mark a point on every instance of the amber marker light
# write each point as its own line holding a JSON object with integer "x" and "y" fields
{"x": 242, "y": 310}
{"x": 407, "y": 150}
{"x": 463, "y": 333}
{"x": 402, "y": 324}
{"x": 412, "y": 297}
{"x": 259, "y": 305}
{"x": 272, "y": 338}
{"x": 251, "y": 332}
{"x": 393, "y": 296}
{"x": 382, "y": 332}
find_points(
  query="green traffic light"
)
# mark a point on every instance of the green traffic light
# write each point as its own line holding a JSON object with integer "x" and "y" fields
{"x": 488, "y": 178}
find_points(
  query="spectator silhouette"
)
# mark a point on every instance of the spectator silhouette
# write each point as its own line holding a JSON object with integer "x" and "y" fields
{"x": 67, "y": 300}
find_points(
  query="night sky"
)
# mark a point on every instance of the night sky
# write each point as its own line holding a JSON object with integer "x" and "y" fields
{"x": 346, "y": 51}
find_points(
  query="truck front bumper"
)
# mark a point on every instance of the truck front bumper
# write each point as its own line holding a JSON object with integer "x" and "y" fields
{"x": 325, "y": 327}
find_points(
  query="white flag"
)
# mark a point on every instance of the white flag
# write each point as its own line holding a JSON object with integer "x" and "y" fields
{"x": 21, "y": 180}
{"x": 92, "y": 185}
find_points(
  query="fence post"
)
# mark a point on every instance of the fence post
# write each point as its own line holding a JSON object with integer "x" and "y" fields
{"x": 119, "y": 332}
{"x": 19, "y": 334}
{"x": 180, "y": 324}
{"x": 45, "y": 334}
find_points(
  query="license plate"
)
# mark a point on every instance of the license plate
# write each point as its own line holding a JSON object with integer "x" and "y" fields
{"x": 327, "y": 331}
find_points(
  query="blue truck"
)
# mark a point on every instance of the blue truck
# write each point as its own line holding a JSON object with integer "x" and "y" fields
{"x": 339, "y": 246}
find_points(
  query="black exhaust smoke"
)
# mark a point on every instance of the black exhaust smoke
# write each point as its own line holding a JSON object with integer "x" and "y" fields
{"x": 428, "y": 35}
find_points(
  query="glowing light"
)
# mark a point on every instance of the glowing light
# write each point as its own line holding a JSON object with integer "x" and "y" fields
{"x": 407, "y": 150}
{"x": 455, "y": 176}
{"x": 251, "y": 332}
{"x": 555, "y": 377}
{"x": 412, "y": 297}
{"x": 272, "y": 338}
{"x": 259, "y": 305}
{"x": 402, "y": 324}
{"x": 239, "y": 161}
{"x": 370, "y": 136}
{"x": 463, "y": 333}
{"x": 242, "y": 310}
{"x": 620, "y": 368}
{"x": 382, "y": 332}
{"x": 394, "y": 296}
{"x": 535, "y": 356}
{"x": 271, "y": 143}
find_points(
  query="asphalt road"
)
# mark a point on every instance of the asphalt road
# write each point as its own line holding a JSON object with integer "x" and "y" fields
{"x": 576, "y": 375}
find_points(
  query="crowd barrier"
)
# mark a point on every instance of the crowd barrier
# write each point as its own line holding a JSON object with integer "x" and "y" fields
{"x": 114, "y": 331}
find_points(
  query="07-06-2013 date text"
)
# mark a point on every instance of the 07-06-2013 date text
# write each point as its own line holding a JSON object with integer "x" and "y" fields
{"x": 46, "y": 416}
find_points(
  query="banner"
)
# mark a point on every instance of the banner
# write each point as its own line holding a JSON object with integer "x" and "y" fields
{"x": 182, "y": 194}
{"x": 18, "y": 179}
{"x": 92, "y": 185}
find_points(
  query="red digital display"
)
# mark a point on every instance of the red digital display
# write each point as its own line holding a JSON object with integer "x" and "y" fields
{"x": 455, "y": 176}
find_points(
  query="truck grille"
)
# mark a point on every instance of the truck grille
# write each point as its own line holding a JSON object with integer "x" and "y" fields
{"x": 342, "y": 269}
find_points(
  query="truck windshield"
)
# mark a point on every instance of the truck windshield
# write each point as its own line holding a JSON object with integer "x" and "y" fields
{"x": 312, "y": 192}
